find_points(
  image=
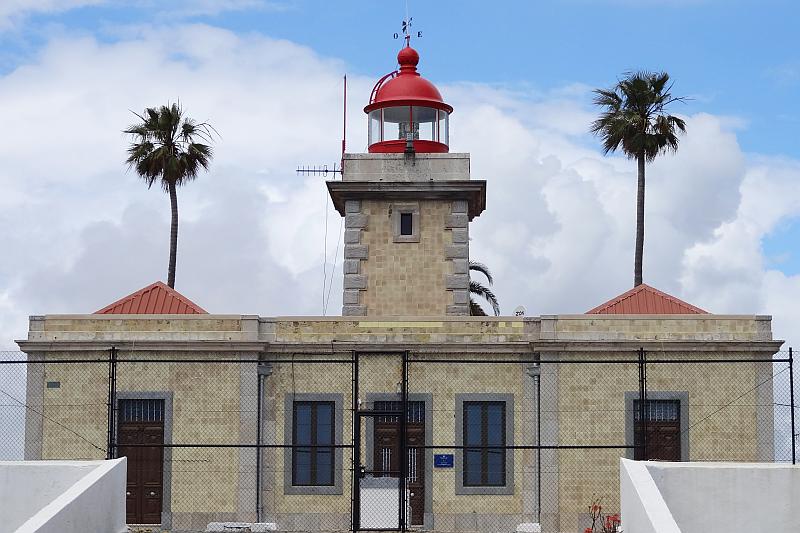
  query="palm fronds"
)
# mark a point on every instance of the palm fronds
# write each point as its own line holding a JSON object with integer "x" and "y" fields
{"x": 634, "y": 116}
{"x": 166, "y": 146}
{"x": 170, "y": 149}
{"x": 479, "y": 289}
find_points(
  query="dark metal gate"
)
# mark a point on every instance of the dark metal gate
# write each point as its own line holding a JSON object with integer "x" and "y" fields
{"x": 382, "y": 475}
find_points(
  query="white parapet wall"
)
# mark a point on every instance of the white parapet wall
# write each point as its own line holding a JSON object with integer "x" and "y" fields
{"x": 63, "y": 496}
{"x": 662, "y": 497}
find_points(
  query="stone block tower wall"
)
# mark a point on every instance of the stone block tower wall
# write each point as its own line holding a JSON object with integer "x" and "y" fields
{"x": 425, "y": 273}
{"x": 426, "y": 278}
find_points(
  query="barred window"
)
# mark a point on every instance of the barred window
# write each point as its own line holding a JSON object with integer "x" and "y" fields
{"x": 141, "y": 410}
{"x": 658, "y": 410}
{"x": 415, "y": 411}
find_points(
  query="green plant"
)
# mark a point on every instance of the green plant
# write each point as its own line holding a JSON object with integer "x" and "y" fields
{"x": 635, "y": 120}
{"x": 166, "y": 149}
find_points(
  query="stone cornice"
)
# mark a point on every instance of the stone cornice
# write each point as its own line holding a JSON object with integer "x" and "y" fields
{"x": 143, "y": 345}
{"x": 321, "y": 348}
{"x": 473, "y": 191}
{"x": 762, "y": 347}
{"x": 428, "y": 348}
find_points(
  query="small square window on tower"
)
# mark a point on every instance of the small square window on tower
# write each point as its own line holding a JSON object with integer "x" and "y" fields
{"x": 405, "y": 222}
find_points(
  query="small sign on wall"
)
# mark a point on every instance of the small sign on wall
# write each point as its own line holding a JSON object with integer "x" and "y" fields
{"x": 443, "y": 460}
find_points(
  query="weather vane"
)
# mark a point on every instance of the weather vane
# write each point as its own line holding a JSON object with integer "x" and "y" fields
{"x": 406, "y": 29}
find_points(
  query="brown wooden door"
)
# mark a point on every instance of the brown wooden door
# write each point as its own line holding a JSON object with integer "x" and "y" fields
{"x": 664, "y": 441}
{"x": 387, "y": 452}
{"x": 663, "y": 431}
{"x": 142, "y": 424}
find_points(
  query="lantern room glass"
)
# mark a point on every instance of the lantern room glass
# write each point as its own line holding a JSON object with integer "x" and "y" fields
{"x": 444, "y": 127}
{"x": 396, "y": 123}
{"x": 424, "y": 123}
{"x": 374, "y": 126}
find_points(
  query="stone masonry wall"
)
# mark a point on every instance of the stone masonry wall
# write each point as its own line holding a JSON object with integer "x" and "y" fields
{"x": 380, "y": 374}
{"x": 727, "y": 418}
{"x": 387, "y": 278}
{"x": 206, "y": 405}
{"x": 581, "y": 403}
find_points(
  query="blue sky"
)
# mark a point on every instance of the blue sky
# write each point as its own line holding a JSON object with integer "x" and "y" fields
{"x": 722, "y": 221}
{"x": 734, "y": 58}
{"x": 737, "y": 58}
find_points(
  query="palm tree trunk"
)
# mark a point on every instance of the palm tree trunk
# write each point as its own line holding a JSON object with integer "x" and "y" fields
{"x": 173, "y": 235}
{"x": 637, "y": 267}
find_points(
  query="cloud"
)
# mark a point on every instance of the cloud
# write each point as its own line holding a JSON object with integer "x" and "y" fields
{"x": 557, "y": 233}
{"x": 12, "y": 11}
{"x": 200, "y": 8}
{"x": 785, "y": 75}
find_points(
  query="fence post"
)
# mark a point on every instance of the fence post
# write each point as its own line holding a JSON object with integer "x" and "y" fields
{"x": 355, "y": 515}
{"x": 539, "y": 445}
{"x": 259, "y": 394}
{"x": 791, "y": 405}
{"x": 112, "y": 394}
{"x": 642, "y": 405}
{"x": 402, "y": 482}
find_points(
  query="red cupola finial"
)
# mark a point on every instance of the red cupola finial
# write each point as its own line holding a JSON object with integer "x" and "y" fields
{"x": 405, "y": 106}
{"x": 408, "y": 59}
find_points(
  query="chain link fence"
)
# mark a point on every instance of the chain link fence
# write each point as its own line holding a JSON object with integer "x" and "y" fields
{"x": 337, "y": 441}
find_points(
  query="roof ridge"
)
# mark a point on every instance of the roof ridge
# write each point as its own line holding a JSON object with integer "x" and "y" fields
{"x": 141, "y": 303}
{"x": 639, "y": 302}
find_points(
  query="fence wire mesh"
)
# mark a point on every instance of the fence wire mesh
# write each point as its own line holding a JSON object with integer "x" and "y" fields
{"x": 390, "y": 440}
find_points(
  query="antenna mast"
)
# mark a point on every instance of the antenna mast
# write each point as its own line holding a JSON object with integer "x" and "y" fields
{"x": 344, "y": 120}
{"x": 407, "y": 30}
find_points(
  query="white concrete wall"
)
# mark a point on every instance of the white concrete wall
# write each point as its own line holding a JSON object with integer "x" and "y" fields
{"x": 660, "y": 497}
{"x": 27, "y": 487}
{"x": 643, "y": 509}
{"x": 62, "y": 496}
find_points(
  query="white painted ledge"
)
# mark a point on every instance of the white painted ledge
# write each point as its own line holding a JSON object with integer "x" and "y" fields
{"x": 63, "y": 496}
{"x": 643, "y": 508}
{"x": 665, "y": 497}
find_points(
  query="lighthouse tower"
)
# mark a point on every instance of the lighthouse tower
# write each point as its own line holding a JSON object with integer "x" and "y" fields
{"x": 407, "y": 204}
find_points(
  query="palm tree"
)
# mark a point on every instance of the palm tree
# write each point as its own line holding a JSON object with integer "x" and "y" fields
{"x": 479, "y": 289}
{"x": 166, "y": 148}
{"x": 634, "y": 119}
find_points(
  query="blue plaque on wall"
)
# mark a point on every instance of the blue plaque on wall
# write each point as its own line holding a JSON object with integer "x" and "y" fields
{"x": 443, "y": 460}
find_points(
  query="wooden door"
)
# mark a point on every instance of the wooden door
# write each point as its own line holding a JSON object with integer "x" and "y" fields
{"x": 142, "y": 422}
{"x": 415, "y": 479}
{"x": 663, "y": 431}
{"x": 387, "y": 452}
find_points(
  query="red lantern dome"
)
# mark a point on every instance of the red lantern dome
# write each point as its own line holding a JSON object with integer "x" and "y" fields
{"x": 405, "y": 106}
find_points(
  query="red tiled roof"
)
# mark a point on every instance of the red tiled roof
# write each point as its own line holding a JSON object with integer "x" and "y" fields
{"x": 645, "y": 300}
{"x": 155, "y": 299}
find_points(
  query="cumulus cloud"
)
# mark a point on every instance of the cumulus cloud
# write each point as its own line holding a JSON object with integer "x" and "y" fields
{"x": 198, "y": 8}
{"x": 14, "y": 10}
{"x": 80, "y": 231}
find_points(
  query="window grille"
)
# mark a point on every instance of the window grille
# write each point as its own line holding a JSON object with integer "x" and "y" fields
{"x": 141, "y": 410}
{"x": 658, "y": 410}
{"x": 415, "y": 412}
